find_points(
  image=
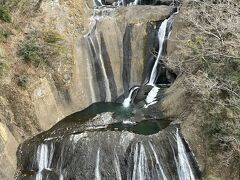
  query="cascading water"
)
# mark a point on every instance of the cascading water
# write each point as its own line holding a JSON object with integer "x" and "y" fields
{"x": 117, "y": 167}
{"x": 98, "y": 2}
{"x": 110, "y": 155}
{"x": 161, "y": 39}
{"x": 42, "y": 159}
{"x": 140, "y": 169}
{"x": 163, "y": 32}
{"x": 130, "y": 145}
{"x": 160, "y": 172}
{"x": 184, "y": 169}
{"x": 127, "y": 101}
{"x": 151, "y": 97}
{"x": 118, "y": 3}
{"x": 135, "y": 2}
{"x": 97, "y": 167}
{"x": 96, "y": 52}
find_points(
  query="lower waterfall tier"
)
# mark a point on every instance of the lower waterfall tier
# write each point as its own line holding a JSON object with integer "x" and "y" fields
{"x": 107, "y": 141}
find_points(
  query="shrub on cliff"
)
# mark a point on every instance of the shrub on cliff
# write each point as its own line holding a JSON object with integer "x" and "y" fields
{"x": 47, "y": 50}
{"x": 42, "y": 48}
{"x": 31, "y": 52}
{"x": 52, "y": 37}
{"x": 22, "y": 80}
{"x": 5, "y": 14}
{"x": 4, "y": 34}
{"x": 3, "y": 67}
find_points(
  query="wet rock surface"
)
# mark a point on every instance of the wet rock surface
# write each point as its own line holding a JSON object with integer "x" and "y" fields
{"x": 43, "y": 103}
{"x": 96, "y": 146}
{"x": 122, "y": 48}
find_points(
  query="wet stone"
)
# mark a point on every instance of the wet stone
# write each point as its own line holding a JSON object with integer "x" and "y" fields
{"x": 121, "y": 148}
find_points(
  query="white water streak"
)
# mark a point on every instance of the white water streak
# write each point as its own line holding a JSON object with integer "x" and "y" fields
{"x": 43, "y": 159}
{"x": 183, "y": 167}
{"x": 100, "y": 2}
{"x": 119, "y": 2}
{"x": 129, "y": 122}
{"x": 135, "y": 2}
{"x": 151, "y": 97}
{"x": 117, "y": 167}
{"x": 140, "y": 170}
{"x": 127, "y": 101}
{"x": 97, "y": 167}
{"x": 89, "y": 35}
{"x": 61, "y": 177}
{"x": 135, "y": 160}
{"x": 143, "y": 165}
{"x": 90, "y": 75}
{"x": 161, "y": 38}
{"x": 107, "y": 84}
{"x": 106, "y": 81}
{"x": 158, "y": 163}
{"x": 89, "y": 70}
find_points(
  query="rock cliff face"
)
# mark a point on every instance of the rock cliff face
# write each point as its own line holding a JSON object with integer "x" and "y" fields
{"x": 91, "y": 55}
{"x": 112, "y": 44}
{"x": 35, "y": 98}
{"x": 86, "y": 146}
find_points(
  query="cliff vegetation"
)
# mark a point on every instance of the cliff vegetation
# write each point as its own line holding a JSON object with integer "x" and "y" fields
{"x": 208, "y": 56}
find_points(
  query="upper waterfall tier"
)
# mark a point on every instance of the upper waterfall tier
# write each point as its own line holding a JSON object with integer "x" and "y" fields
{"x": 117, "y": 55}
{"x": 115, "y": 43}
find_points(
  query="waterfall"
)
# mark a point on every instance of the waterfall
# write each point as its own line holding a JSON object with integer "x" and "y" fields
{"x": 140, "y": 170}
{"x": 130, "y": 153}
{"x": 94, "y": 46}
{"x": 119, "y": 2}
{"x": 161, "y": 38}
{"x": 135, "y": 2}
{"x": 164, "y": 30}
{"x": 160, "y": 172}
{"x": 98, "y": 3}
{"x": 184, "y": 169}
{"x": 61, "y": 177}
{"x": 127, "y": 101}
{"x": 107, "y": 84}
{"x": 125, "y": 155}
{"x": 44, "y": 158}
{"x": 89, "y": 72}
{"x": 97, "y": 167}
{"x": 151, "y": 97}
{"x": 117, "y": 167}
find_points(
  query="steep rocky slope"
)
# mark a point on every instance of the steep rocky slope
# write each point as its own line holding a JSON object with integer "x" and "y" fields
{"x": 203, "y": 51}
{"x": 34, "y": 95}
{"x": 50, "y": 69}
